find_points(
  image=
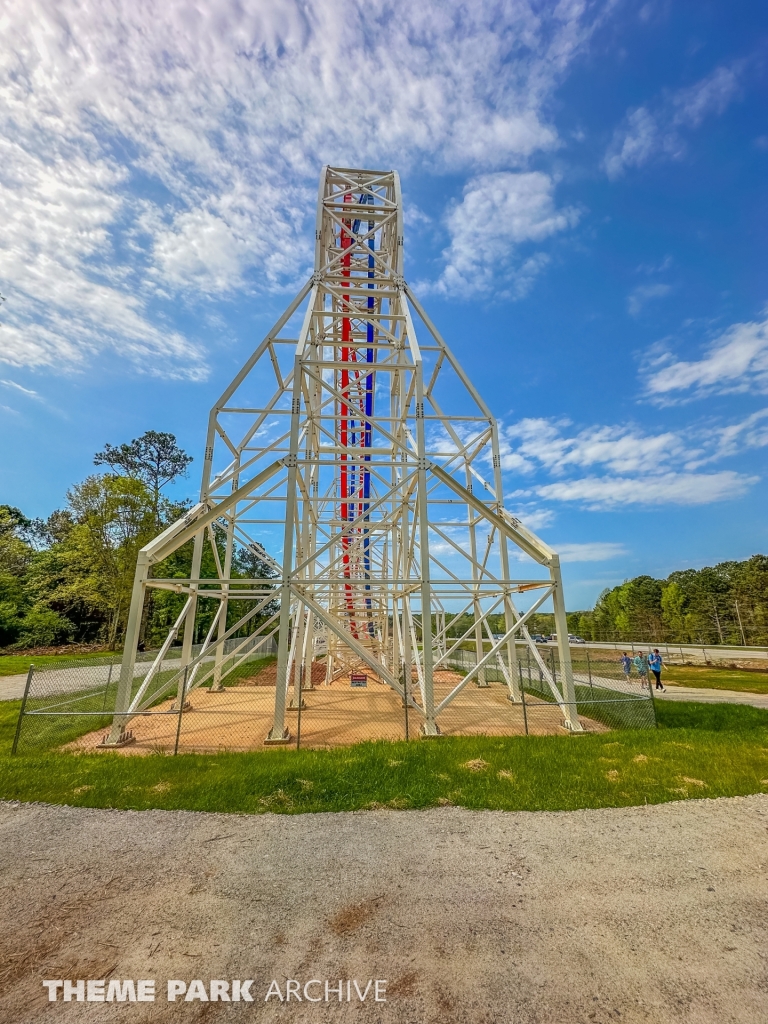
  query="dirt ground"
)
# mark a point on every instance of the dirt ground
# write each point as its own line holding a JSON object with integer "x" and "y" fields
{"x": 656, "y": 914}
{"x": 240, "y": 717}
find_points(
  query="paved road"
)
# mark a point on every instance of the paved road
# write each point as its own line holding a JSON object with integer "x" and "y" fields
{"x": 652, "y": 915}
{"x": 12, "y": 687}
{"x": 697, "y": 693}
{"x": 686, "y": 652}
{"x": 71, "y": 680}
{"x": 711, "y": 696}
{"x": 65, "y": 680}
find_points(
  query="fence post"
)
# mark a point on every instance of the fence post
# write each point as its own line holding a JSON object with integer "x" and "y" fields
{"x": 181, "y": 709}
{"x": 405, "y": 699}
{"x": 589, "y": 672}
{"x": 301, "y": 701}
{"x": 522, "y": 689}
{"x": 30, "y": 673}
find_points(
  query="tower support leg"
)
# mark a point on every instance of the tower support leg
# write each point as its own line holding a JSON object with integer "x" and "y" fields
{"x": 298, "y": 656}
{"x": 430, "y": 725}
{"x": 572, "y": 722}
{"x": 279, "y": 733}
{"x": 219, "y": 655}
{"x": 118, "y": 734}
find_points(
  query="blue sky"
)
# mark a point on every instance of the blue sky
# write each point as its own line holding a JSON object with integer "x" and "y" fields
{"x": 586, "y": 219}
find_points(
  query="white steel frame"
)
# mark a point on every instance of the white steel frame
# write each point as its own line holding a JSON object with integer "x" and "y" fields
{"x": 391, "y": 508}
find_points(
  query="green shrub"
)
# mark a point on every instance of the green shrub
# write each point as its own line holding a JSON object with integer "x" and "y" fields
{"x": 10, "y": 623}
{"x": 43, "y": 627}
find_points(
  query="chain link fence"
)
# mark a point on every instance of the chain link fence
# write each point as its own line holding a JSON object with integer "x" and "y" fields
{"x": 530, "y": 699}
{"x": 229, "y": 705}
{"x": 71, "y": 706}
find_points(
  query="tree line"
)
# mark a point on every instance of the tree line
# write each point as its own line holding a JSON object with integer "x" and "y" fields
{"x": 68, "y": 578}
{"x": 723, "y": 604}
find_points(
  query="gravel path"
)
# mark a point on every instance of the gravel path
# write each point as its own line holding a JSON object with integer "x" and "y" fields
{"x": 655, "y": 914}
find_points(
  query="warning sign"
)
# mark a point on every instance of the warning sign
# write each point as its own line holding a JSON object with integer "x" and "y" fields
{"x": 358, "y": 679}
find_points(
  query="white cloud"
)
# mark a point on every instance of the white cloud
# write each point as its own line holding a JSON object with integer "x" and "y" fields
{"x": 413, "y": 215}
{"x": 660, "y": 489}
{"x": 648, "y": 133}
{"x": 594, "y": 551}
{"x": 64, "y": 303}
{"x": 626, "y": 466}
{"x": 656, "y": 268}
{"x": 749, "y": 433}
{"x": 151, "y": 150}
{"x": 19, "y": 387}
{"x": 200, "y": 246}
{"x": 534, "y": 519}
{"x": 711, "y": 95}
{"x": 536, "y": 442}
{"x": 634, "y": 143}
{"x": 736, "y": 361}
{"x": 643, "y": 293}
{"x": 498, "y": 213}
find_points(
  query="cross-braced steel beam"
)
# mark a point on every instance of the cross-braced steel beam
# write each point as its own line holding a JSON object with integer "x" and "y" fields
{"x": 366, "y": 467}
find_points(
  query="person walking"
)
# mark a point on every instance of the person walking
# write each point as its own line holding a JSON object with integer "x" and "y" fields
{"x": 641, "y": 664}
{"x": 626, "y": 665}
{"x": 654, "y": 664}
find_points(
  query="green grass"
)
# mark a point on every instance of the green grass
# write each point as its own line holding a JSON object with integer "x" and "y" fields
{"x": 699, "y": 750}
{"x": 44, "y": 733}
{"x": 731, "y": 718}
{"x": 716, "y": 678}
{"x": 245, "y": 669}
{"x": 18, "y": 664}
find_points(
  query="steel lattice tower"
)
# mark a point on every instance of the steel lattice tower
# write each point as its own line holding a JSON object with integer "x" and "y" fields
{"x": 379, "y": 462}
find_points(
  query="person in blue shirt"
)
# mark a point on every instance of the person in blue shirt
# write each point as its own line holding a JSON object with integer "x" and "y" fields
{"x": 654, "y": 664}
{"x": 626, "y": 665}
